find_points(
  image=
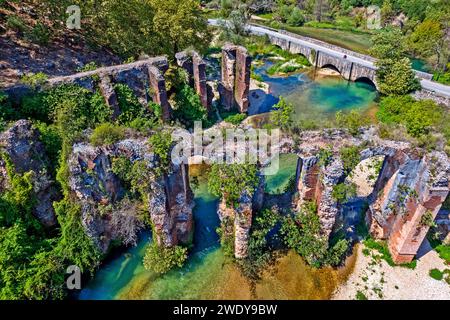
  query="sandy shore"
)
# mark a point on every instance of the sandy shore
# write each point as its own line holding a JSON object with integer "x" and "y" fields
{"x": 377, "y": 280}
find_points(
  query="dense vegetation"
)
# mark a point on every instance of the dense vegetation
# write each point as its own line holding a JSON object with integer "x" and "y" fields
{"x": 129, "y": 28}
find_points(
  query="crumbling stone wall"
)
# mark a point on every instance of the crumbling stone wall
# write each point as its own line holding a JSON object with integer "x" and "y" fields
{"x": 411, "y": 186}
{"x": 21, "y": 144}
{"x": 169, "y": 201}
{"x": 316, "y": 183}
{"x": 235, "y": 84}
{"x": 242, "y": 216}
{"x": 195, "y": 66}
{"x": 144, "y": 77}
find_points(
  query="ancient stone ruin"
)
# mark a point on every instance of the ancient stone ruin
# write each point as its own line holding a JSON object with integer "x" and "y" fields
{"x": 22, "y": 146}
{"x": 235, "y": 84}
{"x": 146, "y": 78}
{"x": 108, "y": 215}
{"x": 195, "y": 66}
{"x": 408, "y": 193}
{"x": 241, "y": 218}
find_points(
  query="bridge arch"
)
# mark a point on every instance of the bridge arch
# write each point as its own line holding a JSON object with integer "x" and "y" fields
{"x": 332, "y": 67}
{"x": 366, "y": 80}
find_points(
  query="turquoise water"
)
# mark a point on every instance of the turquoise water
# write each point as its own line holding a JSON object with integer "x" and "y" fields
{"x": 276, "y": 184}
{"x": 420, "y": 65}
{"x": 316, "y": 98}
{"x": 120, "y": 276}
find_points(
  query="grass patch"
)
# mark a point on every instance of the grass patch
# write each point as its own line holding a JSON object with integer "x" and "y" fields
{"x": 383, "y": 249}
{"x": 436, "y": 274}
{"x": 360, "y": 296}
{"x": 235, "y": 119}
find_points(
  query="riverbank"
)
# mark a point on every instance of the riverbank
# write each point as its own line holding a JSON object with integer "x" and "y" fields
{"x": 378, "y": 281}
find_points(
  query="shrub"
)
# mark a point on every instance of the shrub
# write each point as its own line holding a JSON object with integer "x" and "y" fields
{"x": 39, "y": 34}
{"x": 235, "y": 119}
{"x": 232, "y": 180}
{"x": 162, "y": 259}
{"x": 107, "y": 134}
{"x": 34, "y": 79}
{"x": 296, "y": 18}
{"x": 436, "y": 274}
{"x": 16, "y": 23}
{"x": 360, "y": 296}
{"x": 350, "y": 158}
{"x": 189, "y": 107}
{"x": 161, "y": 143}
{"x": 343, "y": 192}
{"x": 7, "y": 112}
{"x": 351, "y": 121}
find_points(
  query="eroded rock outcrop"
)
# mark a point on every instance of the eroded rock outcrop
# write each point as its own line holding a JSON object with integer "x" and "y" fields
{"x": 241, "y": 217}
{"x": 21, "y": 144}
{"x": 107, "y": 213}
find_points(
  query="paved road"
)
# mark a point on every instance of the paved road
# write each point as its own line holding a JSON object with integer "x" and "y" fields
{"x": 439, "y": 89}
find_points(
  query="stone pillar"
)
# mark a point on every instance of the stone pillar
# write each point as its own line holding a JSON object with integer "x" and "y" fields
{"x": 242, "y": 84}
{"x": 158, "y": 91}
{"x": 195, "y": 66}
{"x": 235, "y": 85}
{"x": 107, "y": 90}
{"x": 316, "y": 184}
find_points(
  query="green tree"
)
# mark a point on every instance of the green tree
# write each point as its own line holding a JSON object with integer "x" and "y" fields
{"x": 429, "y": 40}
{"x": 161, "y": 259}
{"x": 189, "y": 108}
{"x": 281, "y": 116}
{"x": 179, "y": 24}
{"x": 230, "y": 181}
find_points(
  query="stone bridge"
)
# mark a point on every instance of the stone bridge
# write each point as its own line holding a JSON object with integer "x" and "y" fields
{"x": 349, "y": 69}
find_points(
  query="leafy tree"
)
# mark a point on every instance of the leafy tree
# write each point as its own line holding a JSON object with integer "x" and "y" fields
{"x": 350, "y": 158}
{"x": 394, "y": 73}
{"x": 396, "y": 77}
{"x": 353, "y": 121}
{"x": 161, "y": 143}
{"x": 281, "y": 116}
{"x": 189, "y": 107}
{"x": 296, "y": 18}
{"x": 428, "y": 40}
{"x": 179, "y": 24}
{"x": 232, "y": 180}
{"x": 161, "y": 259}
{"x": 107, "y": 134}
{"x": 343, "y": 192}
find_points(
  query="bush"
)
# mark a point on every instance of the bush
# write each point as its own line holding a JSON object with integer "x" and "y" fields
{"x": 350, "y": 158}
{"x": 34, "y": 79}
{"x": 107, "y": 134}
{"x": 235, "y": 119}
{"x": 351, "y": 121}
{"x": 189, "y": 107}
{"x": 436, "y": 274}
{"x": 39, "y": 34}
{"x": 161, "y": 143}
{"x": 162, "y": 259}
{"x": 343, "y": 192}
{"x": 296, "y": 18}
{"x": 232, "y": 180}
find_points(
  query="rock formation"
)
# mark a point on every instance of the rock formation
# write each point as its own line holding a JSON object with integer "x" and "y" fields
{"x": 21, "y": 144}
{"x": 408, "y": 195}
{"x": 108, "y": 215}
{"x": 195, "y": 66}
{"x": 235, "y": 84}
{"x": 242, "y": 216}
{"x": 316, "y": 183}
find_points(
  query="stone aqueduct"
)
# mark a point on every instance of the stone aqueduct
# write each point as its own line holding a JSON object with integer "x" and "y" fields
{"x": 399, "y": 222}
